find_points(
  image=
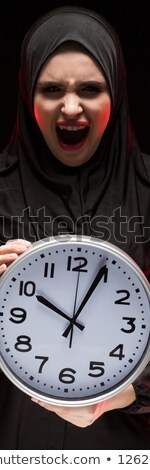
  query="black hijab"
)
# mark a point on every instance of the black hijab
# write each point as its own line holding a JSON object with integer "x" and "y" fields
{"x": 108, "y": 196}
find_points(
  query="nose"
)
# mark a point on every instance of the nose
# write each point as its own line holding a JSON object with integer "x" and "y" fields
{"x": 71, "y": 106}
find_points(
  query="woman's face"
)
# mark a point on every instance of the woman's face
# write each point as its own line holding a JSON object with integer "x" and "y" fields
{"x": 72, "y": 104}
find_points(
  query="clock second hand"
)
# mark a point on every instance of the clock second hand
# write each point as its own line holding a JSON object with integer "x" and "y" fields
{"x": 74, "y": 310}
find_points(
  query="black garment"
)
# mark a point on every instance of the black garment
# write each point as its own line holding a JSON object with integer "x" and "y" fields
{"x": 25, "y": 425}
{"x": 107, "y": 197}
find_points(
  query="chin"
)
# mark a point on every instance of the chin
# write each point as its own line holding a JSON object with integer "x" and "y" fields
{"x": 72, "y": 162}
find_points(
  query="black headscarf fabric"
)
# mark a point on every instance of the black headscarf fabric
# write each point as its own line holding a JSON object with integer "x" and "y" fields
{"x": 108, "y": 196}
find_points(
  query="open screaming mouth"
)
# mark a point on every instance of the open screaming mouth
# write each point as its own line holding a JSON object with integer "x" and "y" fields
{"x": 72, "y": 137}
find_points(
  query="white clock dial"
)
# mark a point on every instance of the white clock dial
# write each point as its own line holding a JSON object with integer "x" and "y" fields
{"x": 74, "y": 321}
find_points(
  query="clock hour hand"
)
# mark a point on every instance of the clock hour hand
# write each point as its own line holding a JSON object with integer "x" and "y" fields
{"x": 102, "y": 272}
{"x": 53, "y": 307}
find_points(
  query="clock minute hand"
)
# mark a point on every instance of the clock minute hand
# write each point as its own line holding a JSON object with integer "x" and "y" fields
{"x": 53, "y": 307}
{"x": 102, "y": 272}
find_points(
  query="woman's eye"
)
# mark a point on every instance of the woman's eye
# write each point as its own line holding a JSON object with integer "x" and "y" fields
{"x": 51, "y": 89}
{"x": 90, "y": 90}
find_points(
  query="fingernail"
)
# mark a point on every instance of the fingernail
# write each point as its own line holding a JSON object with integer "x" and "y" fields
{"x": 2, "y": 266}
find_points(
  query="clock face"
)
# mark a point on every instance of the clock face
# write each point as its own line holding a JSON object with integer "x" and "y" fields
{"x": 74, "y": 321}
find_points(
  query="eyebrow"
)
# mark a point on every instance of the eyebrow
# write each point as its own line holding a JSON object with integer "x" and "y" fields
{"x": 45, "y": 83}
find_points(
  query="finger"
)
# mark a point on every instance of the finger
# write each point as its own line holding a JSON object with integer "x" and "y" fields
{"x": 8, "y": 258}
{"x": 44, "y": 404}
{"x": 13, "y": 247}
{"x": 20, "y": 241}
{"x": 2, "y": 268}
{"x": 10, "y": 251}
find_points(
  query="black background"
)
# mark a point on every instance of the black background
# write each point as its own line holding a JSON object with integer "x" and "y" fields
{"x": 131, "y": 20}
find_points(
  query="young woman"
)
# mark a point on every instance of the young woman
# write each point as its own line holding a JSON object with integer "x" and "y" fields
{"x": 74, "y": 165}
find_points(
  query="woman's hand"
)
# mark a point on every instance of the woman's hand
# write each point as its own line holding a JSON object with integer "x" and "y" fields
{"x": 10, "y": 251}
{"x": 86, "y": 415}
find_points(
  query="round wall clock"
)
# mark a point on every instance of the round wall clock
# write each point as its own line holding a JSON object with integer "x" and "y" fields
{"x": 74, "y": 321}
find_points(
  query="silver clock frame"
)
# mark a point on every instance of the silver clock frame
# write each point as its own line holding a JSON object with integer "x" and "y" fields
{"x": 94, "y": 242}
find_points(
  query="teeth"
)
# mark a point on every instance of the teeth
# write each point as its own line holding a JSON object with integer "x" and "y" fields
{"x": 71, "y": 128}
